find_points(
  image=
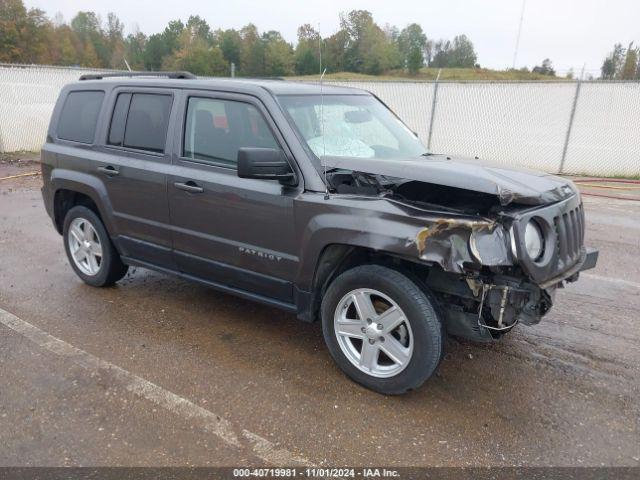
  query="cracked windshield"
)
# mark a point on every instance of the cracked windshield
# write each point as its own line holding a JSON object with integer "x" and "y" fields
{"x": 354, "y": 126}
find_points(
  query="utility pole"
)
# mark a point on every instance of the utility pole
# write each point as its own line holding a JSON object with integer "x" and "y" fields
{"x": 515, "y": 53}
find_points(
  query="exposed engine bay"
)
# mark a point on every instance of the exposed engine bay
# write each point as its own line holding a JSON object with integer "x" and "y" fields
{"x": 429, "y": 196}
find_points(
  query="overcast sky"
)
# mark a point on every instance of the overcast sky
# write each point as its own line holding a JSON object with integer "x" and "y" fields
{"x": 570, "y": 32}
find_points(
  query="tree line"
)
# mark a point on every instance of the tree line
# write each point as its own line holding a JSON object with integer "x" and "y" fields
{"x": 360, "y": 45}
{"x": 622, "y": 63}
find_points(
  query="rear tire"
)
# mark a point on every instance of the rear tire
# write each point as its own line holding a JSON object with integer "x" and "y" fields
{"x": 89, "y": 248}
{"x": 359, "y": 309}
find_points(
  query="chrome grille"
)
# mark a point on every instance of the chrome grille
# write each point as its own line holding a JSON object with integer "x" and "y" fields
{"x": 569, "y": 228}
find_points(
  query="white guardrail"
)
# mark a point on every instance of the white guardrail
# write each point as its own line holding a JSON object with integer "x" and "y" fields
{"x": 590, "y": 128}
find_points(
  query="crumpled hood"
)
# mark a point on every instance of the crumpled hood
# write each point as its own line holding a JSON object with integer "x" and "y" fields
{"x": 508, "y": 184}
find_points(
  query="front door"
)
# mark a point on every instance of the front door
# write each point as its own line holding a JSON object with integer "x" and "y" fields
{"x": 232, "y": 231}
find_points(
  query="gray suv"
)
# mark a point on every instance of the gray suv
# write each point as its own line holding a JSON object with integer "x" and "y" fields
{"x": 314, "y": 199}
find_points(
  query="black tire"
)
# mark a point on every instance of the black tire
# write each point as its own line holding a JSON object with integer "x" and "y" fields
{"x": 111, "y": 268}
{"x": 419, "y": 308}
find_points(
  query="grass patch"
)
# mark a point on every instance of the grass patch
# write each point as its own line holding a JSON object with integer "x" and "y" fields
{"x": 430, "y": 74}
{"x": 19, "y": 157}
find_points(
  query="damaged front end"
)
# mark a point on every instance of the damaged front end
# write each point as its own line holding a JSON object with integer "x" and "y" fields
{"x": 482, "y": 291}
{"x": 474, "y": 244}
{"x": 478, "y": 301}
{"x": 484, "y": 307}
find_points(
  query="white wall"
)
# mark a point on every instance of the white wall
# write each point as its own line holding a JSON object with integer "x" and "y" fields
{"x": 518, "y": 124}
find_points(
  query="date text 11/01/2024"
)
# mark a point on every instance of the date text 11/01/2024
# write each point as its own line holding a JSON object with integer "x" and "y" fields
{"x": 316, "y": 472}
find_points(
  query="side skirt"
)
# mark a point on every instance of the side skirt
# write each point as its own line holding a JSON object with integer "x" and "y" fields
{"x": 289, "y": 307}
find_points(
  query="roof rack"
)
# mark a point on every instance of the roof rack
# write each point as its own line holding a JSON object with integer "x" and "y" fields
{"x": 100, "y": 76}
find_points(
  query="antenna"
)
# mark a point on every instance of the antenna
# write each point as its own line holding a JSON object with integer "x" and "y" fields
{"x": 320, "y": 49}
{"x": 324, "y": 147}
{"x": 515, "y": 53}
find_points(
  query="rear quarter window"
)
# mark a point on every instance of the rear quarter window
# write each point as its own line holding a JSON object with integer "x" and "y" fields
{"x": 79, "y": 116}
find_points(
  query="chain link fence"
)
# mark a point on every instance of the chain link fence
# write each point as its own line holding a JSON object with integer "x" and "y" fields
{"x": 590, "y": 128}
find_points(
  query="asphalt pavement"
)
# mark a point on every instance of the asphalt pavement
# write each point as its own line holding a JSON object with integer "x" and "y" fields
{"x": 158, "y": 371}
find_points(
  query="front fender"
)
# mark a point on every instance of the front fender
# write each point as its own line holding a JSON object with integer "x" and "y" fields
{"x": 383, "y": 225}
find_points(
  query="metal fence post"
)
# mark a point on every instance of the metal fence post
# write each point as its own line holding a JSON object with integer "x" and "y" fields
{"x": 433, "y": 109}
{"x": 573, "y": 114}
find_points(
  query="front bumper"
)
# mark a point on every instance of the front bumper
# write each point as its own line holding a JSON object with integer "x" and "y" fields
{"x": 587, "y": 261}
{"x": 591, "y": 260}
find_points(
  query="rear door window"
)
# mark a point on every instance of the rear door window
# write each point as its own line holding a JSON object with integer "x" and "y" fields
{"x": 116, "y": 132}
{"x": 79, "y": 116}
{"x": 140, "y": 121}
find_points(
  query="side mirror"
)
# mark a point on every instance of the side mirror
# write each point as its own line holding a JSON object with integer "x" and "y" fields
{"x": 264, "y": 164}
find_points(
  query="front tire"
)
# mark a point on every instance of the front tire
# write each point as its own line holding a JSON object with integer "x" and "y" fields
{"x": 89, "y": 249}
{"x": 381, "y": 329}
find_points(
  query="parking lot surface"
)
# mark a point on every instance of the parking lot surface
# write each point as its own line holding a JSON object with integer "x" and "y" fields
{"x": 158, "y": 371}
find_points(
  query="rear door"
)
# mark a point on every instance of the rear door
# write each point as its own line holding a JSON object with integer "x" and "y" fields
{"x": 228, "y": 230}
{"x": 133, "y": 168}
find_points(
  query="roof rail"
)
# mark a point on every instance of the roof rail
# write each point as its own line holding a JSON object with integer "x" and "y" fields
{"x": 100, "y": 76}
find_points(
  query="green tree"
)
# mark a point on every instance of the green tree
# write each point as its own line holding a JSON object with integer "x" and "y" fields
{"x": 37, "y": 34}
{"x": 459, "y": 53}
{"x": 278, "y": 55}
{"x": 367, "y": 49}
{"x": 200, "y": 28}
{"x": 115, "y": 41}
{"x": 463, "y": 54}
{"x": 231, "y": 44}
{"x": 88, "y": 56}
{"x": 412, "y": 43}
{"x": 630, "y": 66}
{"x": 441, "y": 54}
{"x": 13, "y": 16}
{"x": 333, "y": 53}
{"x": 134, "y": 49}
{"x": 64, "y": 41}
{"x": 196, "y": 56}
{"x": 545, "y": 69}
{"x": 24, "y": 34}
{"x": 307, "y": 53}
{"x": 161, "y": 45}
{"x": 196, "y": 52}
{"x": 251, "y": 52}
{"x": 88, "y": 28}
{"x": 612, "y": 65}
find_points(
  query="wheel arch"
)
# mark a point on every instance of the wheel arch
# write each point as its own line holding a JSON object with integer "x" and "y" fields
{"x": 337, "y": 258}
{"x": 75, "y": 188}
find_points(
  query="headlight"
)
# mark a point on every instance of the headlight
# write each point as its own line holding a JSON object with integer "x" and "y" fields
{"x": 533, "y": 240}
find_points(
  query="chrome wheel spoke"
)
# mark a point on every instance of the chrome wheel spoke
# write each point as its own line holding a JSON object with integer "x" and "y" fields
{"x": 364, "y": 306}
{"x": 93, "y": 263}
{"x": 391, "y": 319}
{"x": 369, "y": 356}
{"x": 350, "y": 329}
{"x": 80, "y": 255}
{"x": 95, "y": 248}
{"x": 77, "y": 233}
{"x": 395, "y": 350}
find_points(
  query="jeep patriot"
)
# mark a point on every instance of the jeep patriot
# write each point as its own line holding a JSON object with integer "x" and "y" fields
{"x": 312, "y": 198}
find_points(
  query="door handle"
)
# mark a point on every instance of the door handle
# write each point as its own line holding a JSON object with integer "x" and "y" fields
{"x": 109, "y": 171}
{"x": 189, "y": 186}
